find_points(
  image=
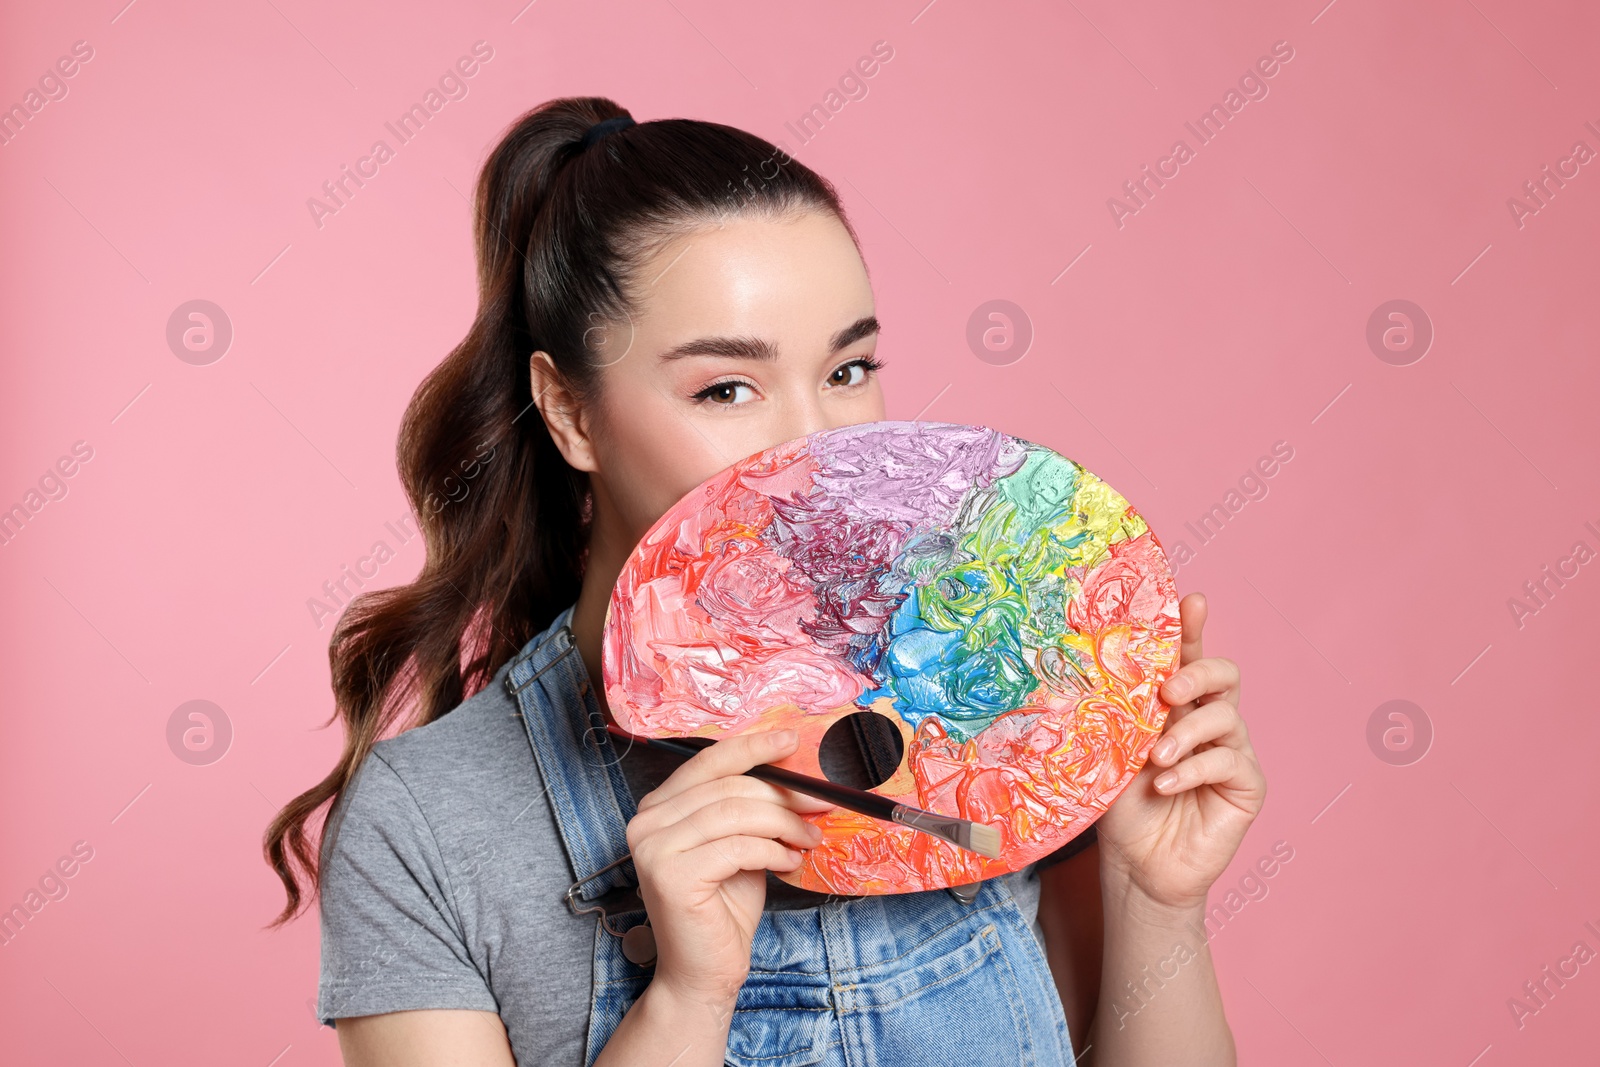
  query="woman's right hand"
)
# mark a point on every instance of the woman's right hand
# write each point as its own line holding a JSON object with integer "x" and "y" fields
{"x": 702, "y": 843}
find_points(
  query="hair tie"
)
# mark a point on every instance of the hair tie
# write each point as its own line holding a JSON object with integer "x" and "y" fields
{"x": 600, "y": 129}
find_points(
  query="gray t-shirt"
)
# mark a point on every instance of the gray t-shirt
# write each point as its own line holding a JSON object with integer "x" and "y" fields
{"x": 443, "y": 877}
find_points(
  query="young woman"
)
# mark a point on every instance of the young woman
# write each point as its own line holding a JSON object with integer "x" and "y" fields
{"x": 656, "y": 301}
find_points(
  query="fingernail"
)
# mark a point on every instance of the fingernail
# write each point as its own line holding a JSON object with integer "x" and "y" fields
{"x": 1167, "y": 781}
{"x": 813, "y": 831}
{"x": 1166, "y": 749}
{"x": 783, "y": 738}
{"x": 1179, "y": 687}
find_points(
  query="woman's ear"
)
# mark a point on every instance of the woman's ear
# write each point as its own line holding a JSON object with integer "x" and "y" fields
{"x": 565, "y": 418}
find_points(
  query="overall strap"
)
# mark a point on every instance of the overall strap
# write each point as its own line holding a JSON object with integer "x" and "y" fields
{"x": 578, "y": 763}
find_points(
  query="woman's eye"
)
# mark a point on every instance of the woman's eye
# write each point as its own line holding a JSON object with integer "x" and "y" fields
{"x": 724, "y": 393}
{"x": 853, "y": 373}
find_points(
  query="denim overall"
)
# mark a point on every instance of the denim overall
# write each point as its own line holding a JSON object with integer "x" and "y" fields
{"x": 913, "y": 978}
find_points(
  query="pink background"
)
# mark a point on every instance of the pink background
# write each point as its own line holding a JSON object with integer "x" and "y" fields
{"x": 1228, "y": 314}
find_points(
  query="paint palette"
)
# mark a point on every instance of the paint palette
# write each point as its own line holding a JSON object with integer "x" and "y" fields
{"x": 1007, "y": 614}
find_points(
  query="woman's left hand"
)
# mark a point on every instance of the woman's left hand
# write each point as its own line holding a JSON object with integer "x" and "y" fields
{"x": 1176, "y": 827}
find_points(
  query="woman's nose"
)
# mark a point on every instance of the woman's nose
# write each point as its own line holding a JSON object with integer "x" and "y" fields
{"x": 805, "y": 416}
{"x": 806, "y": 412}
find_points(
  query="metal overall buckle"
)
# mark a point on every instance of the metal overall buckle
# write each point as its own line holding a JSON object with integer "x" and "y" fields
{"x": 965, "y": 893}
{"x": 638, "y": 942}
{"x": 564, "y": 640}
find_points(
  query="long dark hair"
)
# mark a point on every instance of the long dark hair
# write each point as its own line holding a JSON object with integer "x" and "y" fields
{"x": 560, "y": 233}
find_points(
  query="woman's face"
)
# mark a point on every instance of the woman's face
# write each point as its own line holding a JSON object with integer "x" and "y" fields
{"x": 746, "y": 335}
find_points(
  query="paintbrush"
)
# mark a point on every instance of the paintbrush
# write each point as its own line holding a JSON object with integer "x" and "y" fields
{"x": 963, "y": 833}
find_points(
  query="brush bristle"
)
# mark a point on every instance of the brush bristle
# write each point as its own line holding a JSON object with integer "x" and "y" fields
{"x": 985, "y": 840}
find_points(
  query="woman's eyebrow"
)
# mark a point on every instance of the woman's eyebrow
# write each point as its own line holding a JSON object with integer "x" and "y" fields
{"x": 862, "y": 327}
{"x": 756, "y": 348}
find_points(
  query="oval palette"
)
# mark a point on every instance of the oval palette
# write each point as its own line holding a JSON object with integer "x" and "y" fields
{"x": 1006, "y": 611}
